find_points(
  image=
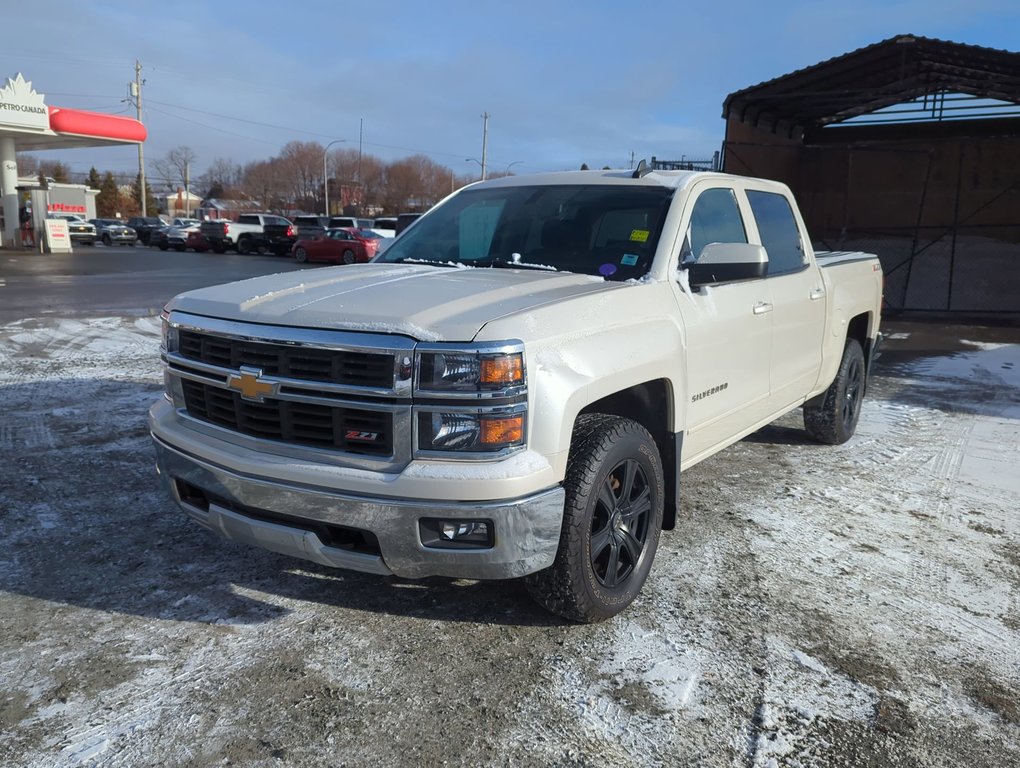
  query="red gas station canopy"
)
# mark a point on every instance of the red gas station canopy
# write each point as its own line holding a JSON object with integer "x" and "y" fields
{"x": 77, "y": 122}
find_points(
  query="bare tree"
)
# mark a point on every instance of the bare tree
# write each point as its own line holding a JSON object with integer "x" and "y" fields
{"x": 222, "y": 174}
{"x": 300, "y": 162}
{"x": 175, "y": 168}
{"x": 264, "y": 182}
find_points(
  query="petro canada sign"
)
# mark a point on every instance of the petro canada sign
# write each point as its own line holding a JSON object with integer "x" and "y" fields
{"x": 21, "y": 106}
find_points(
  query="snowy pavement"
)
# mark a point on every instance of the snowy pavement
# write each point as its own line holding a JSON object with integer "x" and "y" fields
{"x": 817, "y": 605}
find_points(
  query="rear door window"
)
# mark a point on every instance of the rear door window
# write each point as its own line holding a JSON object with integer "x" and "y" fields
{"x": 779, "y": 232}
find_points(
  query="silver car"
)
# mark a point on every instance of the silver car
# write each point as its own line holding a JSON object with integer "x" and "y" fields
{"x": 111, "y": 231}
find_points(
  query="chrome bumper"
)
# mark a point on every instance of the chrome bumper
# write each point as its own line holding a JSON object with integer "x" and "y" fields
{"x": 527, "y": 530}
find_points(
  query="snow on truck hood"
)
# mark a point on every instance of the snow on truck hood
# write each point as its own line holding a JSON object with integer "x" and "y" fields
{"x": 425, "y": 302}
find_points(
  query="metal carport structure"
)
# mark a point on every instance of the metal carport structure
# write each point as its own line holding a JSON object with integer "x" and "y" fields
{"x": 909, "y": 148}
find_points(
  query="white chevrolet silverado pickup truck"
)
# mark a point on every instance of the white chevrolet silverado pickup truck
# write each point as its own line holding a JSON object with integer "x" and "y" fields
{"x": 516, "y": 386}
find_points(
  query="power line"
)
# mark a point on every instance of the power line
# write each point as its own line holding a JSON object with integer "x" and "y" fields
{"x": 239, "y": 119}
{"x": 210, "y": 127}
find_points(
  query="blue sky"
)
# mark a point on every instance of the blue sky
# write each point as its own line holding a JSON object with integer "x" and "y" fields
{"x": 564, "y": 81}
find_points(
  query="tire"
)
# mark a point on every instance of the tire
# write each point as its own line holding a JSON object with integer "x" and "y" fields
{"x": 163, "y": 246}
{"x": 349, "y": 257}
{"x": 242, "y": 245}
{"x": 219, "y": 248}
{"x": 107, "y": 240}
{"x": 612, "y": 519}
{"x": 834, "y": 419}
{"x": 300, "y": 255}
{"x": 180, "y": 248}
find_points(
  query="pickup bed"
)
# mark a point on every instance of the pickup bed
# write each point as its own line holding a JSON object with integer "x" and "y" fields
{"x": 251, "y": 233}
{"x": 515, "y": 387}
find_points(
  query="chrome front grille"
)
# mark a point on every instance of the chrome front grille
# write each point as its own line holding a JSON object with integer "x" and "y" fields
{"x": 351, "y": 368}
{"x": 346, "y": 428}
{"x": 334, "y": 396}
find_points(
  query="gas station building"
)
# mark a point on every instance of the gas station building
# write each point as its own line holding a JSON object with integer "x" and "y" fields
{"x": 28, "y": 124}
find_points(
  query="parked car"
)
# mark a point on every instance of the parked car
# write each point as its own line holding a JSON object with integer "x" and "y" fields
{"x": 345, "y": 245}
{"x": 111, "y": 231}
{"x": 310, "y": 226}
{"x": 196, "y": 241}
{"x": 385, "y": 227}
{"x": 176, "y": 235}
{"x": 80, "y": 231}
{"x": 251, "y": 233}
{"x": 405, "y": 220}
{"x": 349, "y": 221}
{"x": 146, "y": 227}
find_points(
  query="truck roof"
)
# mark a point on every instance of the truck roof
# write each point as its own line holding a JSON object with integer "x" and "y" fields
{"x": 624, "y": 177}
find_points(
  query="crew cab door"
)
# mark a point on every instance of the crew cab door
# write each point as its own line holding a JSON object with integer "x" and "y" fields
{"x": 728, "y": 330}
{"x": 798, "y": 298}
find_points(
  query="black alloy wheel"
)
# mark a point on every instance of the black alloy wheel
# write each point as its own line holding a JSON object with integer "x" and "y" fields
{"x": 619, "y": 525}
{"x": 612, "y": 518}
{"x": 832, "y": 417}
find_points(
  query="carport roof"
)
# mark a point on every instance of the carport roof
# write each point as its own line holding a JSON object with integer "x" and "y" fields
{"x": 880, "y": 75}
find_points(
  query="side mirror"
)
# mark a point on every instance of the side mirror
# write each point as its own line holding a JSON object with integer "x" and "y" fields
{"x": 727, "y": 263}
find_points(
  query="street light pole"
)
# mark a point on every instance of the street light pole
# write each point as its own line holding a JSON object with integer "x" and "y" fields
{"x": 325, "y": 172}
{"x": 511, "y": 165}
{"x": 485, "y": 139}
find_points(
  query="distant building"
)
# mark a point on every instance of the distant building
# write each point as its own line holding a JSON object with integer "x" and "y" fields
{"x": 180, "y": 204}
{"x": 216, "y": 208}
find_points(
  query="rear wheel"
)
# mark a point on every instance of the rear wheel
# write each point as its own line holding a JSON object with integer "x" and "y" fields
{"x": 611, "y": 521}
{"x": 300, "y": 254}
{"x": 834, "y": 419}
{"x": 219, "y": 248}
{"x": 107, "y": 240}
{"x": 163, "y": 246}
{"x": 242, "y": 245}
{"x": 349, "y": 257}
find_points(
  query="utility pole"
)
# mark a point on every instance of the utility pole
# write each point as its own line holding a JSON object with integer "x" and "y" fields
{"x": 485, "y": 139}
{"x": 136, "y": 91}
{"x": 187, "y": 188}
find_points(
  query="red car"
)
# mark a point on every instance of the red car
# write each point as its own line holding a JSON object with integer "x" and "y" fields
{"x": 195, "y": 241}
{"x": 345, "y": 245}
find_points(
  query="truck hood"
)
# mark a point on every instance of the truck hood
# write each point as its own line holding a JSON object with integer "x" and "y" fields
{"x": 424, "y": 302}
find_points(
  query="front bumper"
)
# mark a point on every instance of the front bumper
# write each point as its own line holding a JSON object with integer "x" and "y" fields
{"x": 294, "y": 520}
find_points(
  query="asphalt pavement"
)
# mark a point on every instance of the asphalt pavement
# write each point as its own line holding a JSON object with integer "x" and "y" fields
{"x": 99, "y": 280}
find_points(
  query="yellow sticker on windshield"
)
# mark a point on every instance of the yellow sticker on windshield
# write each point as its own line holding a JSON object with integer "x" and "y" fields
{"x": 639, "y": 235}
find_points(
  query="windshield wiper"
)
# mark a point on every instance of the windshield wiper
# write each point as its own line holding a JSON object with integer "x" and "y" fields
{"x": 514, "y": 262}
{"x": 416, "y": 260}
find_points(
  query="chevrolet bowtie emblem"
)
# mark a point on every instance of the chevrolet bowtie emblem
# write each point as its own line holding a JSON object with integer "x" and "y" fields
{"x": 249, "y": 382}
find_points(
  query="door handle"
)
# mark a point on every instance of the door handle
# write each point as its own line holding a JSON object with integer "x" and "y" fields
{"x": 762, "y": 307}
{"x": 816, "y": 294}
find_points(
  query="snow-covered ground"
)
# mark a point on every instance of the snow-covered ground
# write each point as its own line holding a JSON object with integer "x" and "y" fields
{"x": 817, "y": 606}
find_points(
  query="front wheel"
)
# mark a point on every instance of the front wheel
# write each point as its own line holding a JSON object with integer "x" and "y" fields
{"x": 107, "y": 240}
{"x": 611, "y": 521}
{"x": 834, "y": 420}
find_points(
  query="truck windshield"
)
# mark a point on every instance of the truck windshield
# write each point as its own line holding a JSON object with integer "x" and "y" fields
{"x": 605, "y": 230}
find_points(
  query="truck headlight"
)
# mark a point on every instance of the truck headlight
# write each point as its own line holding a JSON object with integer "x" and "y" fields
{"x": 463, "y": 371}
{"x": 168, "y": 333}
{"x": 486, "y": 432}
